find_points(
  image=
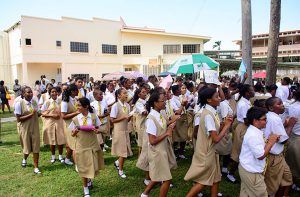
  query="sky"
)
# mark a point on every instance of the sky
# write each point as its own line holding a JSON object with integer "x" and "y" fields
{"x": 219, "y": 19}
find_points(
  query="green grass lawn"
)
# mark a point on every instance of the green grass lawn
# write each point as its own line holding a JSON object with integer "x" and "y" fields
{"x": 60, "y": 180}
{"x": 6, "y": 113}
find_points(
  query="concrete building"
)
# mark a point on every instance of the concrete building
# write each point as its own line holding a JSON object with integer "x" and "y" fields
{"x": 5, "y": 68}
{"x": 288, "y": 51}
{"x": 70, "y": 46}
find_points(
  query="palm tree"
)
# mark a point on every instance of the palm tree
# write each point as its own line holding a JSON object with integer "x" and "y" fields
{"x": 247, "y": 38}
{"x": 273, "y": 42}
{"x": 217, "y": 45}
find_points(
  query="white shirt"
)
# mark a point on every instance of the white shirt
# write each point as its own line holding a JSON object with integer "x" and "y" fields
{"x": 44, "y": 106}
{"x": 283, "y": 92}
{"x": 81, "y": 90}
{"x": 42, "y": 101}
{"x": 64, "y": 105}
{"x": 294, "y": 111}
{"x": 109, "y": 97}
{"x": 197, "y": 118}
{"x": 130, "y": 94}
{"x": 225, "y": 109}
{"x": 209, "y": 120}
{"x": 253, "y": 147}
{"x": 275, "y": 126}
{"x": 242, "y": 108}
{"x": 18, "y": 108}
{"x": 103, "y": 106}
{"x": 150, "y": 126}
{"x": 175, "y": 103}
{"x": 80, "y": 118}
{"x": 151, "y": 85}
{"x": 114, "y": 109}
{"x": 140, "y": 106}
{"x": 90, "y": 96}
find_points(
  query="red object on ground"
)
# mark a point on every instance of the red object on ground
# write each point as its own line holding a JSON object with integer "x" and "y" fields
{"x": 261, "y": 75}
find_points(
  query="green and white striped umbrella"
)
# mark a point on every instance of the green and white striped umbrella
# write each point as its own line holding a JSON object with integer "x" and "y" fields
{"x": 193, "y": 63}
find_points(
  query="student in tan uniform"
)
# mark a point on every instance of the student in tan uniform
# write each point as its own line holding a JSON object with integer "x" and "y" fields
{"x": 160, "y": 150}
{"x": 139, "y": 102}
{"x": 101, "y": 109}
{"x": 278, "y": 175}
{"x": 45, "y": 96}
{"x": 205, "y": 167}
{"x": 53, "y": 125}
{"x": 80, "y": 86}
{"x": 69, "y": 111}
{"x": 27, "y": 112}
{"x": 120, "y": 137}
{"x": 253, "y": 155}
{"x": 246, "y": 92}
{"x": 89, "y": 156}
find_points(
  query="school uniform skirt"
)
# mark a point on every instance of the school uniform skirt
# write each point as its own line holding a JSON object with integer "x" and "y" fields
{"x": 53, "y": 132}
{"x": 180, "y": 134}
{"x": 238, "y": 136}
{"x": 89, "y": 156}
{"x": 104, "y": 132}
{"x": 293, "y": 156}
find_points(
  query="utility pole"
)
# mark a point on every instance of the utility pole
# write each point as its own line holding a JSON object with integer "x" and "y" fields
{"x": 273, "y": 42}
{"x": 247, "y": 38}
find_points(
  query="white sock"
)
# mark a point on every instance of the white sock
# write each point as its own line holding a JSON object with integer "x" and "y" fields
{"x": 86, "y": 190}
{"x": 60, "y": 157}
{"x": 117, "y": 162}
{"x": 53, "y": 157}
{"x": 36, "y": 169}
{"x": 121, "y": 172}
{"x": 24, "y": 161}
{"x": 144, "y": 195}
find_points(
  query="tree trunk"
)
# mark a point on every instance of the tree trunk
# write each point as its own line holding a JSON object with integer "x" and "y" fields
{"x": 273, "y": 42}
{"x": 247, "y": 38}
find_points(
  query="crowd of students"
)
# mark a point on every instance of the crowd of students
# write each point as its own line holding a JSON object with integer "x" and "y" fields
{"x": 254, "y": 132}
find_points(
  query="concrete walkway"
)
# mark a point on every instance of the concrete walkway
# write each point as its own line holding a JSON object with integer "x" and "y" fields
{"x": 10, "y": 119}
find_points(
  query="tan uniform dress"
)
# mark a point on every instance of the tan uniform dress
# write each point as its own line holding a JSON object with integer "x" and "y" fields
{"x": 238, "y": 136}
{"x": 180, "y": 134}
{"x": 89, "y": 156}
{"x": 293, "y": 155}
{"x": 140, "y": 126}
{"x": 53, "y": 130}
{"x": 205, "y": 167}
{"x": 161, "y": 156}
{"x": 120, "y": 138}
{"x": 143, "y": 161}
{"x": 104, "y": 127}
{"x": 29, "y": 131}
{"x": 70, "y": 140}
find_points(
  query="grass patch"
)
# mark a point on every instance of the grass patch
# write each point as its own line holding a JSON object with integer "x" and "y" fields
{"x": 6, "y": 113}
{"x": 60, "y": 180}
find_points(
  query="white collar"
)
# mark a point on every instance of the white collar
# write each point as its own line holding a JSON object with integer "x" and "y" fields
{"x": 81, "y": 116}
{"x": 257, "y": 130}
{"x": 175, "y": 97}
{"x": 155, "y": 113}
{"x": 122, "y": 103}
{"x": 210, "y": 108}
{"x": 27, "y": 102}
{"x": 142, "y": 101}
{"x": 246, "y": 100}
{"x": 72, "y": 99}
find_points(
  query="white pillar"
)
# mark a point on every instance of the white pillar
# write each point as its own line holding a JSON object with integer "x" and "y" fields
{"x": 64, "y": 73}
{"x": 25, "y": 74}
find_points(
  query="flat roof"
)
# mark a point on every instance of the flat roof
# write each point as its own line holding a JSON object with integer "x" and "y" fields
{"x": 125, "y": 28}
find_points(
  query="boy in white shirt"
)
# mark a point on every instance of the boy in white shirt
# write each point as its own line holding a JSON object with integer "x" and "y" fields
{"x": 253, "y": 154}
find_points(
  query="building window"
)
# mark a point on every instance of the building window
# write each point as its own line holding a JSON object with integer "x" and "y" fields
{"x": 81, "y": 47}
{"x": 191, "y": 48}
{"x": 131, "y": 49}
{"x": 172, "y": 49}
{"x": 127, "y": 69}
{"x": 109, "y": 49}
{"x": 28, "y": 41}
{"x": 58, "y": 43}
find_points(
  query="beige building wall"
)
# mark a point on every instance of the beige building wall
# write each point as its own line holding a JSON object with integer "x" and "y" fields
{"x": 5, "y": 69}
{"x": 44, "y": 57}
